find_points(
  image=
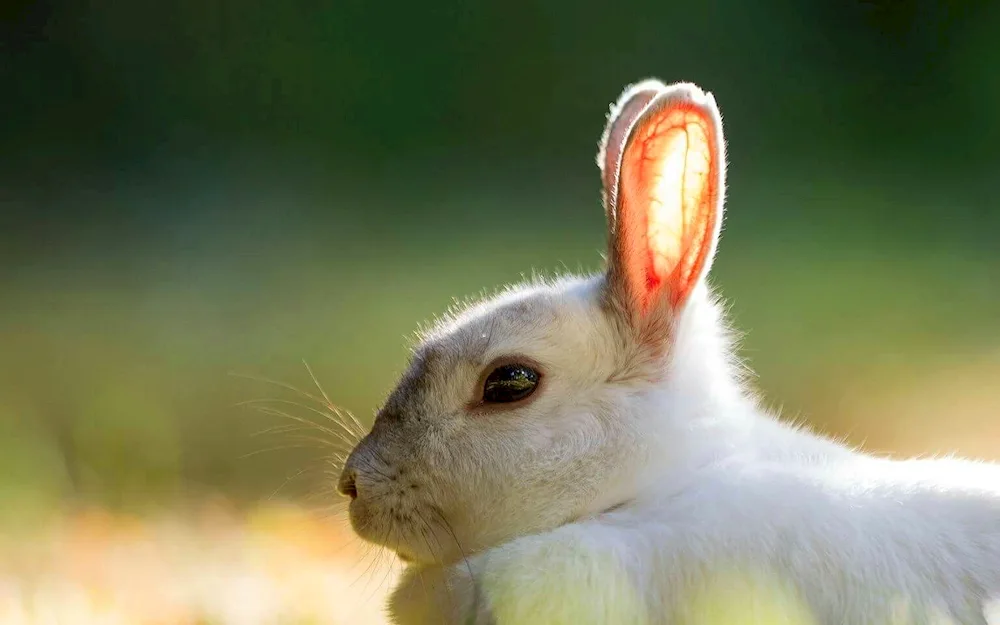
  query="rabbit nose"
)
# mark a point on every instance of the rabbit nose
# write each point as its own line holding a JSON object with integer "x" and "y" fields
{"x": 347, "y": 486}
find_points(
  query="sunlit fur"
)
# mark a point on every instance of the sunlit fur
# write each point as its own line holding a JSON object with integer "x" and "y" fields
{"x": 643, "y": 473}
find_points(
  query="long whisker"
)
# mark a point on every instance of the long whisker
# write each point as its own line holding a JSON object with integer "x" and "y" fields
{"x": 306, "y": 422}
{"x": 438, "y": 554}
{"x": 298, "y": 441}
{"x": 468, "y": 565}
{"x": 285, "y": 483}
{"x": 279, "y": 384}
{"x": 379, "y": 553}
{"x": 330, "y": 416}
{"x": 268, "y": 410}
{"x": 327, "y": 498}
{"x": 329, "y": 404}
{"x": 257, "y": 452}
{"x": 281, "y": 429}
{"x": 337, "y": 432}
{"x": 433, "y": 535}
{"x": 306, "y": 438}
{"x": 395, "y": 549}
{"x": 424, "y": 533}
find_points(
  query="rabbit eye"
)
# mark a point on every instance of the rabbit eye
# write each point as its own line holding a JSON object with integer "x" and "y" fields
{"x": 510, "y": 383}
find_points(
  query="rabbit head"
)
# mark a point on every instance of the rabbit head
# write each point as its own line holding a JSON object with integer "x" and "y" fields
{"x": 555, "y": 401}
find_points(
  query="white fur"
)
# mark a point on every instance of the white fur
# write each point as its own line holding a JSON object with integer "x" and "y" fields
{"x": 651, "y": 491}
{"x": 729, "y": 490}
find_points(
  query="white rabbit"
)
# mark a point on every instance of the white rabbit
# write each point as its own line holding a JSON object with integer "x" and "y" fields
{"x": 585, "y": 450}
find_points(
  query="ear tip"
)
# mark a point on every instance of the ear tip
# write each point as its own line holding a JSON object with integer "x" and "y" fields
{"x": 651, "y": 87}
{"x": 639, "y": 97}
{"x": 690, "y": 92}
{"x": 645, "y": 84}
{"x": 680, "y": 90}
{"x": 691, "y": 96}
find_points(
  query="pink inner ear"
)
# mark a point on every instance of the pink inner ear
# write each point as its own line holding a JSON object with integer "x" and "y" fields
{"x": 668, "y": 195}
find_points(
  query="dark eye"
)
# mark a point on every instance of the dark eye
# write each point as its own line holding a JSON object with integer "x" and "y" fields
{"x": 509, "y": 383}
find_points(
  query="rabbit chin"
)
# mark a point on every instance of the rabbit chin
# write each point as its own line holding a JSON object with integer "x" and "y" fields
{"x": 391, "y": 513}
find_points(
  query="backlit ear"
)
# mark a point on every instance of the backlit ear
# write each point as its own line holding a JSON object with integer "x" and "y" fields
{"x": 664, "y": 187}
{"x": 622, "y": 116}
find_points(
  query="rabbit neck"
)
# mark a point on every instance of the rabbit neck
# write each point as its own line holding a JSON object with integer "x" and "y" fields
{"x": 704, "y": 414}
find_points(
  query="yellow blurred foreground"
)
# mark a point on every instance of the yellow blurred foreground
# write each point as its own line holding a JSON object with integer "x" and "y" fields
{"x": 277, "y": 565}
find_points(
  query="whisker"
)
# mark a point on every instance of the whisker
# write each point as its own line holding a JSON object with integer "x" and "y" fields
{"x": 440, "y": 557}
{"x": 430, "y": 532}
{"x": 336, "y": 433}
{"x": 379, "y": 553}
{"x": 302, "y": 435}
{"x": 370, "y": 466}
{"x": 274, "y": 412}
{"x": 279, "y": 384}
{"x": 336, "y": 462}
{"x": 378, "y": 456}
{"x": 329, "y": 416}
{"x": 430, "y": 550}
{"x": 468, "y": 565}
{"x": 285, "y": 483}
{"x": 395, "y": 550}
{"x": 329, "y": 403}
{"x": 326, "y": 444}
{"x": 329, "y": 498}
{"x": 336, "y": 415}
{"x": 275, "y": 448}
{"x": 269, "y": 410}
{"x": 280, "y": 429}
{"x": 334, "y": 470}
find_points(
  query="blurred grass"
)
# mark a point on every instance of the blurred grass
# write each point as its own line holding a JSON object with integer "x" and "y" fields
{"x": 116, "y": 382}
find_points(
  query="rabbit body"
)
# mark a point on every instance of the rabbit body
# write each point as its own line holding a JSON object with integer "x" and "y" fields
{"x": 639, "y": 480}
{"x": 730, "y": 498}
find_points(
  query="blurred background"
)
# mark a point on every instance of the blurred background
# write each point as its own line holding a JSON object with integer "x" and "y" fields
{"x": 195, "y": 195}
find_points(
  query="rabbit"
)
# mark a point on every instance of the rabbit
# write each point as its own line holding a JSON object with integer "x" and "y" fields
{"x": 587, "y": 449}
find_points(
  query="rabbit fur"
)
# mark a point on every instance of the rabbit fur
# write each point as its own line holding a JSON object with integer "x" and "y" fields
{"x": 642, "y": 481}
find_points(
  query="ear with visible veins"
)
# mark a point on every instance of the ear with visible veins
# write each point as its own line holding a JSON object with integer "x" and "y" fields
{"x": 662, "y": 160}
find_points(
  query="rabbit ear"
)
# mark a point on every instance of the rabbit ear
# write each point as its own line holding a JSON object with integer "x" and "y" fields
{"x": 663, "y": 189}
{"x": 622, "y": 116}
